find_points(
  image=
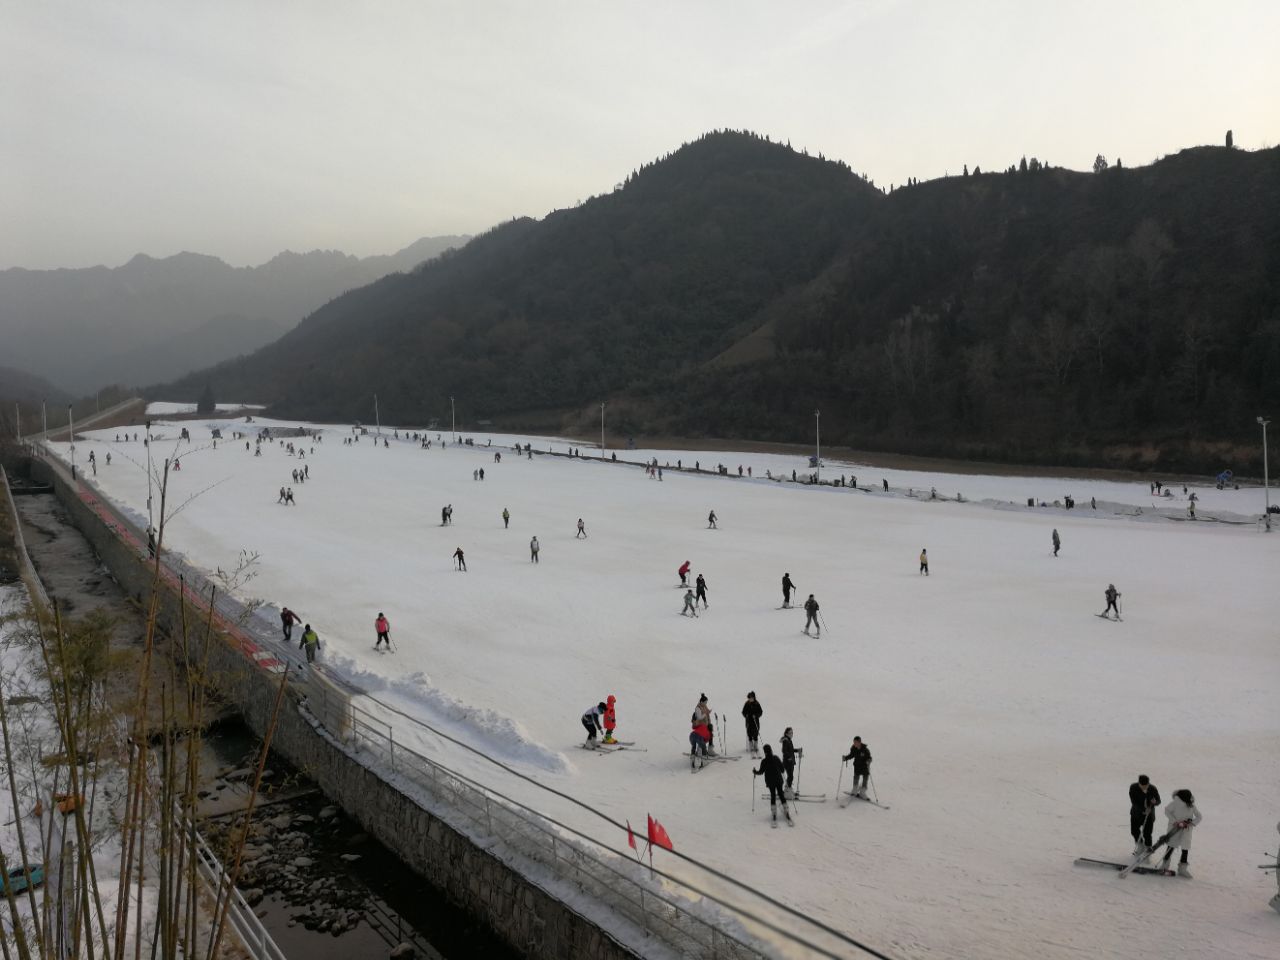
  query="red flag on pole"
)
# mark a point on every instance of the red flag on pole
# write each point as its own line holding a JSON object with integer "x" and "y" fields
{"x": 658, "y": 834}
{"x": 631, "y": 838}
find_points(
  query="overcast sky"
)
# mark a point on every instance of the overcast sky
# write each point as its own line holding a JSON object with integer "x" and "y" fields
{"x": 240, "y": 129}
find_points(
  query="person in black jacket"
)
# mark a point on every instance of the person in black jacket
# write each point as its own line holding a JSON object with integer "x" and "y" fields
{"x": 861, "y": 757}
{"x": 789, "y": 754}
{"x": 751, "y": 712}
{"x": 787, "y": 587}
{"x": 771, "y": 769}
{"x": 1144, "y": 798}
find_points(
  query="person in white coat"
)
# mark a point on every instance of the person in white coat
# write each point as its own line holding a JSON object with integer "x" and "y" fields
{"x": 1183, "y": 816}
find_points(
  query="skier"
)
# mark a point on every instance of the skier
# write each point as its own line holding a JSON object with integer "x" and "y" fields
{"x": 444, "y": 516}
{"x": 310, "y": 641}
{"x": 384, "y": 630}
{"x": 1057, "y": 542}
{"x": 684, "y": 573}
{"x": 1112, "y": 595}
{"x": 690, "y": 605}
{"x": 701, "y": 585}
{"x": 811, "y": 615}
{"x": 787, "y": 587}
{"x": 288, "y": 497}
{"x": 1143, "y": 800}
{"x": 789, "y": 754}
{"x": 281, "y": 500}
{"x": 751, "y": 712}
{"x": 534, "y": 547}
{"x": 460, "y": 561}
{"x": 591, "y": 720}
{"x": 699, "y": 742}
{"x": 1183, "y": 817}
{"x": 506, "y": 518}
{"x": 582, "y": 530}
{"x": 702, "y": 714}
{"x": 610, "y": 718}
{"x": 771, "y": 769}
{"x": 861, "y": 757}
{"x": 924, "y": 562}
{"x": 711, "y": 520}
{"x": 482, "y": 473}
{"x": 287, "y": 619}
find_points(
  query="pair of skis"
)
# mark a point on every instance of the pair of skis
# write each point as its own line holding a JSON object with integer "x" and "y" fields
{"x": 601, "y": 747}
{"x": 1135, "y": 865}
{"x": 801, "y": 797}
{"x": 850, "y": 797}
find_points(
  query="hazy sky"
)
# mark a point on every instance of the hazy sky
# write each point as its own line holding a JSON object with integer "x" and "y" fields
{"x": 244, "y": 128}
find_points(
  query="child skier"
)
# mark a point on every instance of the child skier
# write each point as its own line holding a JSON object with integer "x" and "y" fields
{"x": 690, "y": 605}
{"x": 610, "y": 719}
{"x": 684, "y": 573}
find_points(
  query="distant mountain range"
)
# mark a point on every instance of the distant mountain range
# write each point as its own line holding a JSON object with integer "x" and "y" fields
{"x": 153, "y": 320}
{"x": 1124, "y": 317}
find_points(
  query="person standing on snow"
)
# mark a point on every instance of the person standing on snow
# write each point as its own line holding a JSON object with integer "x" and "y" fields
{"x": 506, "y": 518}
{"x": 701, "y": 585}
{"x": 591, "y": 720}
{"x": 384, "y": 630}
{"x": 690, "y": 605}
{"x": 751, "y": 713}
{"x": 771, "y": 770}
{"x": 1057, "y": 542}
{"x": 1183, "y": 817}
{"x": 460, "y": 561}
{"x": 860, "y": 754}
{"x": 534, "y": 547}
{"x": 1112, "y": 595}
{"x": 610, "y": 718}
{"x": 310, "y": 642}
{"x": 789, "y": 754}
{"x": 924, "y": 562}
{"x": 684, "y": 573}
{"x": 702, "y": 714}
{"x": 287, "y": 619}
{"x": 582, "y": 530}
{"x": 811, "y": 615}
{"x": 787, "y": 587}
{"x": 1143, "y": 800}
{"x": 699, "y": 741}
{"x": 711, "y": 520}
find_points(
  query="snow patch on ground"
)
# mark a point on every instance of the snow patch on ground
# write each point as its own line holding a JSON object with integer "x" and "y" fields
{"x": 162, "y": 408}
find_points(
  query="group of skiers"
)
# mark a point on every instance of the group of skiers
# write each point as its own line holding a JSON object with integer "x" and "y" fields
{"x": 602, "y": 717}
{"x": 1183, "y": 816}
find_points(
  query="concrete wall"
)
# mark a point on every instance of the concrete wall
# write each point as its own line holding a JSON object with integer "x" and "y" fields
{"x": 533, "y": 922}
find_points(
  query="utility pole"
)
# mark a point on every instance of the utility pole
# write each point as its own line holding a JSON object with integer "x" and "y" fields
{"x": 150, "y": 520}
{"x": 453, "y": 417}
{"x": 17, "y": 422}
{"x": 1266, "y": 476}
{"x": 44, "y": 420}
{"x": 601, "y": 431}
{"x": 817, "y": 436}
{"x": 376, "y": 419}
{"x": 71, "y": 427}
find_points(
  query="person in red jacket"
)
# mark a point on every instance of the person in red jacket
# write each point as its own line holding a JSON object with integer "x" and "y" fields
{"x": 684, "y": 574}
{"x": 699, "y": 737}
{"x": 610, "y": 719}
{"x": 384, "y": 631}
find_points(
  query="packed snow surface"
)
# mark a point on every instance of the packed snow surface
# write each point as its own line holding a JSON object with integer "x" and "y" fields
{"x": 1006, "y": 719}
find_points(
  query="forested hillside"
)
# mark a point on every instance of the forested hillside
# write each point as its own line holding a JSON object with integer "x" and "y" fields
{"x": 1124, "y": 317}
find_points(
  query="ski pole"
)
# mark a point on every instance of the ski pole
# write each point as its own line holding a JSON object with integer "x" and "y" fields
{"x": 872, "y": 780}
{"x": 823, "y": 619}
{"x": 799, "y": 766}
{"x": 753, "y": 790}
{"x": 843, "y": 764}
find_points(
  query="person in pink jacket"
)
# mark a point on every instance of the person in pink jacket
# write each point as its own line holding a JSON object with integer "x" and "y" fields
{"x": 384, "y": 631}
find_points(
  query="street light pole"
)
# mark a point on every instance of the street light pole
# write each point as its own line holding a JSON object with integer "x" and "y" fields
{"x": 817, "y": 436}
{"x": 453, "y": 417}
{"x": 1266, "y": 476}
{"x": 602, "y": 431}
{"x": 71, "y": 435}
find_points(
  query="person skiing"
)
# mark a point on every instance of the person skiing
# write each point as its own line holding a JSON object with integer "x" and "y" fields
{"x": 610, "y": 718}
{"x": 1112, "y": 595}
{"x": 591, "y": 720}
{"x": 811, "y": 615}
{"x": 1143, "y": 800}
{"x": 690, "y": 605}
{"x": 701, "y": 585}
{"x": 384, "y": 630}
{"x": 310, "y": 642}
{"x": 281, "y": 500}
{"x": 861, "y": 757}
{"x": 444, "y": 516}
{"x": 771, "y": 770}
{"x": 534, "y": 547}
{"x": 1183, "y": 817}
{"x": 684, "y": 573}
{"x": 751, "y": 713}
{"x": 460, "y": 561}
{"x": 787, "y": 587}
{"x": 506, "y": 518}
{"x": 924, "y": 562}
{"x": 582, "y": 530}
{"x": 1057, "y": 542}
{"x": 702, "y": 714}
{"x": 287, "y": 619}
{"x": 789, "y": 754}
{"x": 711, "y": 520}
{"x": 699, "y": 742}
